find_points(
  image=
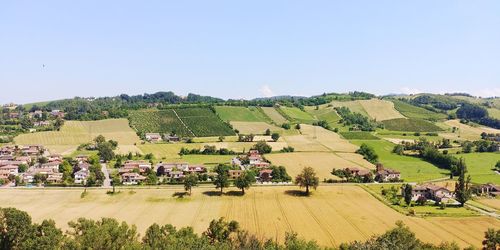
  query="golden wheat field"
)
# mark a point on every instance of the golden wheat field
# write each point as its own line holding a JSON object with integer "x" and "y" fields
{"x": 326, "y": 138}
{"x": 74, "y": 133}
{"x": 332, "y": 215}
{"x": 380, "y": 109}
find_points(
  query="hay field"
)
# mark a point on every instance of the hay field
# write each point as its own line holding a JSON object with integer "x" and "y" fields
{"x": 272, "y": 113}
{"x": 74, "y": 133}
{"x": 322, "y": 162}
{"x": 258, "y": 128}
{"x": 332, "y": 215}
{"x": 380, "y": 110}
{"x": 465, "y": 131}
{"x": 327, "y": 138}
{"x": 491, "y": 202}
{"x": 354, "y": 106}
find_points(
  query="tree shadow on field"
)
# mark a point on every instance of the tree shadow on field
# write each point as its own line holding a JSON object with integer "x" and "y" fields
{"x": 297, "y": 193}
{"x": 180, "y": 195}
{"x": 234, "y": 193}
{"x": 212, "y": 193}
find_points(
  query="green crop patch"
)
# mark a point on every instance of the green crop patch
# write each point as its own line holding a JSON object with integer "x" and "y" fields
{"x": 361, "y": 135}
{"x": 241, "y": 114}
{"x": 411, "y": 125}
{"x": 412, "y": 111}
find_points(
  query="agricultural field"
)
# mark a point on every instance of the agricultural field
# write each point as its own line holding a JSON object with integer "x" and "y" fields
{"x": 411, "y": 125}
{"x": 354, "y": 106}
{"x": 494, "y": 112}
{"x": 324, "y": 113}
{"x": 192, "y": 122}
{"x": 257, "y": 128}
{"x": 358, "y": 135}
{"x": 465, "y": 132}
{"x": 380, "y": 110}
{"x": 412, "y": 169}
{"x": 332, "y": 215}
{"x": 274, "y": 115}
{"x": 490, "y": 202}
{"x": 480, "y": 167}
{"x": 241, "y": 114}
{"x": 74, "y": 133}
{"x": 412, "y": 111}
{"x": 322, "y": 162}
{"x": 297, "y": 115}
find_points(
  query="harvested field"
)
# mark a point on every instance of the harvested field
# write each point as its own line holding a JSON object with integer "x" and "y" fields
{"x": 354, "y": 106}
{"x": 332, "y": 215}
{"x": 490, "y": 202}
{"x": 466, "y": 132}
{"x": 74, "y": 133}
{"x": 255, "y": 127}
{"x": 322, "y": 162}
{"x": 327, "y": 138}
{"x": 272, "y": 113}
{"x": 380, "y": 110}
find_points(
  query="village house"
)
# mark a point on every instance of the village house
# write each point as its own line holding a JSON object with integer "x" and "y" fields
{"x": 54, "y": 178}
{"x": 265, "y": 175}
{"x": 82, "y": 158}
{"x": 57, "y": 113}
{"x": 233, "y": 174}
{"x": 385, "y": 174}
{"x": 153, "y": 137}
{"x": 24, "y": 159}
{"x": 171, "y": 138}
{"x": 358, "y": 172}
{"x": 14, "y": 115}
{"x": 12, "y": 169}
{"x": 36, "y": 114}
{"x": 7, "y": 150}
{"x": 41, "y": 124}
{"x": 132, "y": 178}
{"x": 52, "y": 165}
{"x": 178, "y": 170}
{"x": 81, "y": 176}
{"x": 4, "y": 174}
{"x": 488, "y": 189}
{"x": 129, "y": 166}
{"x": 431, "y": 192}
{"x": 55, "y": 157}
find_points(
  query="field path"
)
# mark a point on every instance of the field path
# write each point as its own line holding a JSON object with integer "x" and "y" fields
{"x": 184, "y": 124}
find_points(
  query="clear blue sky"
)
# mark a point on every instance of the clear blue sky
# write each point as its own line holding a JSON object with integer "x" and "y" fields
{"x": 245, "y": 49}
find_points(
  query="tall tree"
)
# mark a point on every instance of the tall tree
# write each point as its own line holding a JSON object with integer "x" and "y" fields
{"x": 275, "y": 136}
{"x": 221, "y": 180}
{"x": 462, "y": 186}
{"x": 407, "y": 193}
{"x": 244, "y": 181}
{"x": 190, "y": 181}
{"x": 307, "y": 179}
{"x": 491, "y": 239}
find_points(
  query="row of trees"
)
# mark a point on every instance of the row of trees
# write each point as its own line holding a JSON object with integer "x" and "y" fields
{"x": 17, "y": 231}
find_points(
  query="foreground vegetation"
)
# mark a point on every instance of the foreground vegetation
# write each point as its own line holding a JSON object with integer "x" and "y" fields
{"x": 18, "y": 232}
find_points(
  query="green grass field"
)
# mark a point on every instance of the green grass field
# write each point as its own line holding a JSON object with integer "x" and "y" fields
{"x": 411, "y": 125}
{"x": 495, "y": 113}
{"x": 241, "y": 114}
{"x": 480, "y": 167}
{"x": 358, "y": 135}
{"x": 412, "y": 169}
{"x": 412, "y": 111}
{"x": 297, "y": 115}
{"x": 325, "y": 113}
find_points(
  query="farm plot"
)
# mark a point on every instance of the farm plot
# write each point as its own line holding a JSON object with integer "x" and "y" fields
{"x": 327, "y": 114}
{"x": 480, "y": 167}
{"x": 322, "y": 162}
{"x": 358, "y": 135}
{"x": 157, "y": 121}
{"x": 74, "y": 133}
{"x": 380, "y": 110}
{"x": 354, "y": 106}
{"x": 490, "y": 202}
{"x": 257, "y": 128}
{"x": 203, "y": 122}
{"x": 412, "y": 169}
{"x": 332, "y": 215}
{"x": 241, "y": 114}
{"x": 275, "y": 116}
{"x": 412, "y": 111}
{"x": 296, "y": 115}
{"x": 411, "y": 125}
{"x": 327, "y": 138}
{"x": 494, "y": 113}
{"x": 466, "y": 132}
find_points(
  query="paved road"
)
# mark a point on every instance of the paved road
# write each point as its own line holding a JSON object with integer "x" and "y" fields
{"x": 107, "y": 180}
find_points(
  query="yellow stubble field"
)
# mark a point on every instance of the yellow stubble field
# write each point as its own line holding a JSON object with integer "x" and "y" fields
{"x": 332, "y": 215}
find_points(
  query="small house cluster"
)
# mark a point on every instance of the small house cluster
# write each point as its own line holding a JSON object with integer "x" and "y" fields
{"x": 13, "y": 157}
{"x": 252, "y": 160}
{"x": 157, "y": 137}
{"x": 381, "y": 174}
{"x": 430, "y": 192}
{"x": 177, "y": 171}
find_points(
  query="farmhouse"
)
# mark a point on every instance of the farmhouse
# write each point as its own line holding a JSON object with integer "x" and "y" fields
{"x": 11, "y": 169}
{"x": 81, "y": 158}
{"x": 178, "y": 170}
{"x": 54, "y": 178}
{"x": 171, "y": 138}
{"x": 41, "y": 124}
{"x": 153, "y": 137}
{"x": 4, "y": 174}
{"x": 81, "y": 176}
{"x": 385, "y": 174}
{"x": 233, "y": 174}
{"x": 488, "y": 189}
{"x": 358, "y": 172}
{"x": 57, "y": 113}
{"x": 132, "y": 178}
{"x": 265, "y": 175}
{"x": 431, "y": 192}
